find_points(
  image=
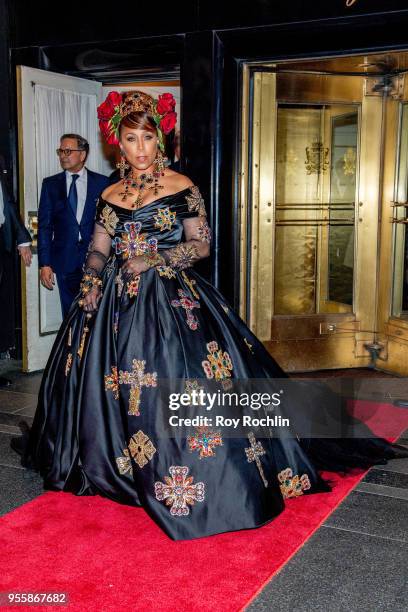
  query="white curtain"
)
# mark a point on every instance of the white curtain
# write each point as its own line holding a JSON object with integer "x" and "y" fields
{"x": 58, "y": 111}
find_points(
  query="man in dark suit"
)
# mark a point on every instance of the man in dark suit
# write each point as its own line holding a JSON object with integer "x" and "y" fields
{"x": 12, "y": 234}
{"x": 176, "y": 165}
{"x": 66, "y": 219}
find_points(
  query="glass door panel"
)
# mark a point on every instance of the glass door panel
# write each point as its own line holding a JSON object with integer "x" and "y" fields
{"x": 316, "y": 180}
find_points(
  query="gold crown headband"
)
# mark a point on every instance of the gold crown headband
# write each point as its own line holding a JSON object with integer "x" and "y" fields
{"x": 137, "y": 102}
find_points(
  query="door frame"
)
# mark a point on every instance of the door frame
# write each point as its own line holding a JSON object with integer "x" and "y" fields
{"x": 322, "y": 340}
{"x": 37, "y": 340}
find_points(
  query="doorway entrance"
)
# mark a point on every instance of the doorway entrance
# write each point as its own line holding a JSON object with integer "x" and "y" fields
{"x": 49, "y": 105}
{"x": 323, "y": 200}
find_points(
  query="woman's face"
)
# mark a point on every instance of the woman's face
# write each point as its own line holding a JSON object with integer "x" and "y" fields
{"x": 138, "y": 146}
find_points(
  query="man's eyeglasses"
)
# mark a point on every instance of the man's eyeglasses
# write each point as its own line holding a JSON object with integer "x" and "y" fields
{"x": 66, "y": 152}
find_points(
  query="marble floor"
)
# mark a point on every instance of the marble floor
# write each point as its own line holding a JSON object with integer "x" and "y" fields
{"x": 357, "y": 560}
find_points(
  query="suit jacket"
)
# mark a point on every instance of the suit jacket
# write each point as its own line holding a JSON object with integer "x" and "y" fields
{"x": 12, "y": 232}
{"x": 58, "y": 244}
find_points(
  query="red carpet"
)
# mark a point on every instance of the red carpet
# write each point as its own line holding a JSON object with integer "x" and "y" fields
{"x": 81, "y": 545}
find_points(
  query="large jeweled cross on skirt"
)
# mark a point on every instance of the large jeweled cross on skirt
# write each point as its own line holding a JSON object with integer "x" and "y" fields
{"x": 253, "y": 453}
{"x": 137, "y": 378}
{"x": 188, "y": 304}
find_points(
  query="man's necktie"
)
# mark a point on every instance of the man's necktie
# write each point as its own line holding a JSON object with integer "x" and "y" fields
{"x": 73, "y": 194}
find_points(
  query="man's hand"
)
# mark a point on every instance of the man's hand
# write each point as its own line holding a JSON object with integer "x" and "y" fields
{"x": 47, "y": 277}
{"x": 26, "y": 255}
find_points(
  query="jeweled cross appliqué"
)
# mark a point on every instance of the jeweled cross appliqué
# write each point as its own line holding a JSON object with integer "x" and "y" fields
{"x": 204, "y": 441}
{"x": 179, "y": 492}
{"x": 132, "y": 242}
{"x": 164, "y": 218}
{"x": 188, "y": 304}
{"x": 293, "y": 486}
{"x": 141, "y": 448}
{"x": 137, "y": 378}
{"x": 219, "y": 364}
{"x": 253, "y": 453}
{"x": 109, "y": 219}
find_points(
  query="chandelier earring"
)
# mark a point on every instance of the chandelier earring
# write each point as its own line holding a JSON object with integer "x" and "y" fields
{"x": 159, "y": 163}
{"x": 122, "y": 166}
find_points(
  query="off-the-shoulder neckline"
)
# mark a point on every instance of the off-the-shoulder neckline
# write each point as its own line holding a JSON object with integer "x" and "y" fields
{"x": 169, "y": 195}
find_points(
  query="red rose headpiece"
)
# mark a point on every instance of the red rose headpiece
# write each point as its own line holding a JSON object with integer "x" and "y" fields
{"x": 117, "y": 105}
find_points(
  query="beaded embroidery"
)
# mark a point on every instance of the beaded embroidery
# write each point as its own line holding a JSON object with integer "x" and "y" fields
{"x": 188, "y": 304}
{"x": 109, "y": 219}
{"x": 219, "y": 364}
{"x": 183, "y": 256}
{"x": 178, "y": 491}
{"x": 68, "y": 364}
{"x": 164, "y": 218}
{"x": 124, "y": 464}
{"x": 166, "y": 271}
{"x": 132, "y": 287}
{"x": 253, "y": 453}
{"x": 141, "y": 448}
{"x": 132, "y": 242}
{"x": 192, "y": 385}
{"x": 112, "y": 382}
{"x": 292, "y": 486}
{"x": 196, "y": 202}
{"x": 137, "y": 378}
{"x": 190, "y": 283}
{"x": 204, "y": 232}
{"x": 204, "y": 441}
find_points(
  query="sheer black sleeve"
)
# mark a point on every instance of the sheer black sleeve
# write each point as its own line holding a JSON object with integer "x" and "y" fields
{"x": 197, "y": 235}
{"x": 101, "y": 242}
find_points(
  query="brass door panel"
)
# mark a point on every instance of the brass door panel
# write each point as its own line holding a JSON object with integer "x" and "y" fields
{"x": 309, "y": 216}
{"x": 393, "y": 284}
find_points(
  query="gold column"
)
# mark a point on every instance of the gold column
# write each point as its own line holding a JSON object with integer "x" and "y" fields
{"x": 263, "y": 199}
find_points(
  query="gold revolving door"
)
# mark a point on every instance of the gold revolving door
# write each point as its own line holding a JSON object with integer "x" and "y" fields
{"x": 312, "y": 167}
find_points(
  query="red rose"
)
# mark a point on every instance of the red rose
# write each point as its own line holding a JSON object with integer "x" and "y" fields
{"x": 166, "y": 103}
{"x": 109, "y": 135}
{"x": 168, "y": 122}
{"x": 107, "y": 109}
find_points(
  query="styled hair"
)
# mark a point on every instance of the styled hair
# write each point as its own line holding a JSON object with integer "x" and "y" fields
{"x": 82, "y": 143}
{"x": 139, "y": 120}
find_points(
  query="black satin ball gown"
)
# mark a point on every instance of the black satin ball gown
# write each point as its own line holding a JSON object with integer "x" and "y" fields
{"x": 98, "y": 428}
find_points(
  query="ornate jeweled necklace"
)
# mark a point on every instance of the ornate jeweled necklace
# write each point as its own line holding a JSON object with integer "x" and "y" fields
{"x": 145, "y": 181}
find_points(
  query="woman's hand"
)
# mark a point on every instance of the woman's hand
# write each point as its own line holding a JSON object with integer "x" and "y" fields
{"x": 135, "y": 265}
{"x": 91, "y": 300}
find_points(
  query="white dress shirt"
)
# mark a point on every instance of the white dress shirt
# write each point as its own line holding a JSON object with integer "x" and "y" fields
{"x": 82, "y": 186}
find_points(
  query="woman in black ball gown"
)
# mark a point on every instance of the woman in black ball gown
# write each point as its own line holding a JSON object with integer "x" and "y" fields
{"x": 144, "y": 315}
